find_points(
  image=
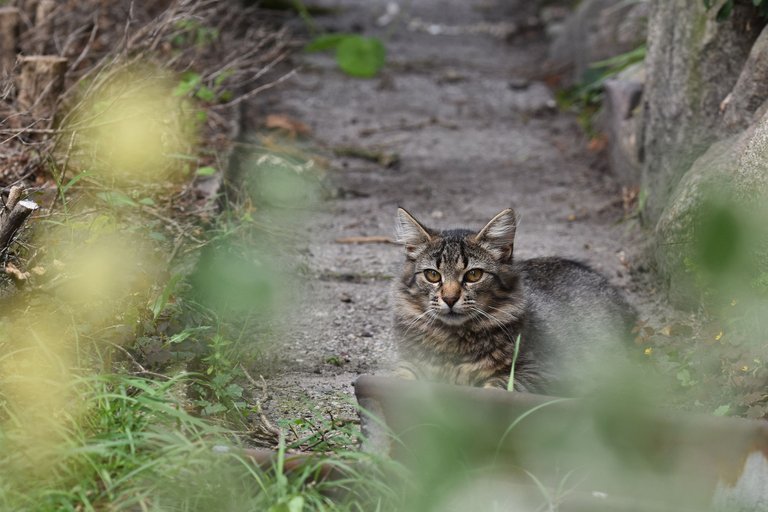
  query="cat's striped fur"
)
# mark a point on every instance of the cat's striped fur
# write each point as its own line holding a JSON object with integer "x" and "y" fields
{"x": 454, "y": 326}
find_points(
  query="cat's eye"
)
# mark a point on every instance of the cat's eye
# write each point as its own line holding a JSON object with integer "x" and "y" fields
{"x": 433, "y": 276}
{"x": 473, "y": 276}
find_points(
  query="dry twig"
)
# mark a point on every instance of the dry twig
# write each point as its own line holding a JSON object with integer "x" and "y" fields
{"x": 374, "y": 239}
{"x": 264, "y": 430}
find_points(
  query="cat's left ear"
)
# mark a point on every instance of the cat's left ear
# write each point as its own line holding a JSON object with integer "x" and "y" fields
{"x": 498, "y": 236}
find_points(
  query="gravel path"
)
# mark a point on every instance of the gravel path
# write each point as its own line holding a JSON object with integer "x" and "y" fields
{"x": 475, "y": 132}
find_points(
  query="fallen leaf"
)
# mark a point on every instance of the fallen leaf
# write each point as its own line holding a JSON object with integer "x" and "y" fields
{"x": 623, "y": 258}
{"x": 680, "y": 329}
{"x": 598, "y": 143}
{"x": 287, "y": 124}
{"x": 554, "y": 80}
{"x": 15, "y": 273}
{"x": 629, "y": 197}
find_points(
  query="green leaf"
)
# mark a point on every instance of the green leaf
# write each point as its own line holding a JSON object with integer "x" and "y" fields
{"x": 361, "y": 56}
{"x": 164, "y": 297}
{"x": 234, "y": 391}
{"x": 725, "y": 11}
{"x": 206, "y": 171}
{"x": 622, "y": 60}
{"x": 722, "y": 410}
{"x": 296, "y": 504}
{"x": 182, "y": 156}
{"x": 214, "y": 409}
{"x": 206, "y": 94}
{"x": 325, "y": 42}
{"x": 219, "y": 80}
{"x": 116, "y": 198}
{"x": 186, "y": 333}
{"x": 189, "y": 81}
{"x": 73, "y": 181}
{"x": 147, "y": 201}
{"x": 684, "y": 377}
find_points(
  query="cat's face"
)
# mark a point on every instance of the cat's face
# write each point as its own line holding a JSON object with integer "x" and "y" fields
{"x": 458, "y": 276}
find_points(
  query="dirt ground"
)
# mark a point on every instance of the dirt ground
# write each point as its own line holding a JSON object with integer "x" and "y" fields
{"x": 475, "y": 130}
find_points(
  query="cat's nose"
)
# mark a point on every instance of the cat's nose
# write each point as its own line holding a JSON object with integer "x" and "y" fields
{"x": 451, "y": 292}
{"x": 450, "y": 300}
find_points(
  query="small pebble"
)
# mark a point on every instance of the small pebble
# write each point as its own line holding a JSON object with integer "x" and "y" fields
{"x": 518, "y": 84}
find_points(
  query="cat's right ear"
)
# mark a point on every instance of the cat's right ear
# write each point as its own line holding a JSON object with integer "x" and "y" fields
{"x": 410, "y": 232}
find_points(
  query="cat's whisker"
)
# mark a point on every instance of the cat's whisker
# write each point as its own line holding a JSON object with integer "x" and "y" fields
{"x": 502, "y": 311}
{"x": 495, "y": 321}
{"x": 415, "y": 321}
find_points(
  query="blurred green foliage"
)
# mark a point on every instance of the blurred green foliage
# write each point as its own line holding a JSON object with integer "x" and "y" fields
{"x": 190, "y": 32}
{"x": 357, "y": 56}
{"x": 726, "y": 9}
{"x": 586, "y": 97}
{"x": 718, "y": 356}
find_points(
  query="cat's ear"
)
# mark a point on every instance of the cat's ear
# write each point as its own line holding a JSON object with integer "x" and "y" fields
{"x": 498, "y": 236}
{"x": 410, "y": 232}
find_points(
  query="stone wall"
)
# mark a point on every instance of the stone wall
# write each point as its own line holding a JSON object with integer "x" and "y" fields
{"x": 690, "y": 123}
{"x": 692, "y": 64}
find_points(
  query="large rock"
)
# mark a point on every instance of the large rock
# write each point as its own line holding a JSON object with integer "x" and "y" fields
{"x": 692, "y": 64}
{"x": 729, "y": 180}
{"x": 597, "y": 30}
{"x": 622, "y": 123}
{"x": 750, "y": 91}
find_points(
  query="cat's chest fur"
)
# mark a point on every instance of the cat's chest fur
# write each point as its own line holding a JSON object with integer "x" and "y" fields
{"x": 461, "y": 344}
{"x": 460, "y": 356}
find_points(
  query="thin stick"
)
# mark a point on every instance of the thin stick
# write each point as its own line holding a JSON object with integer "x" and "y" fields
{"x": 13, "y": 197}
{"x": 263, "y": 420}
{"x": 374, "y": 239}
{"x": 13, "y": 222}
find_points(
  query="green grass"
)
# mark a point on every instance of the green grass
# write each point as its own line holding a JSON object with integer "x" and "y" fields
{"x": 90, "y": 421}
{"x": 586, "y": 97}
{"x": 511, "y": 383}
{"x": 133, "y": 446}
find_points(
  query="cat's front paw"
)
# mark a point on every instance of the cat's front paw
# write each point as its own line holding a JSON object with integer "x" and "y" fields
{"x": 496, "y": 383}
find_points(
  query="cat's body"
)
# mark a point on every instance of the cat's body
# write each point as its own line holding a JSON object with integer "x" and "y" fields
{"x": 462, "y": 301}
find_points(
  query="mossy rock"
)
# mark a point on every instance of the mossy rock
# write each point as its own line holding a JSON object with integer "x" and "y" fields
{"x": 712, "y": 234}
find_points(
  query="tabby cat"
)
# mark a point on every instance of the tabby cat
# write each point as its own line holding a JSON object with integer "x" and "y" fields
{"x": 462, "y": 301}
